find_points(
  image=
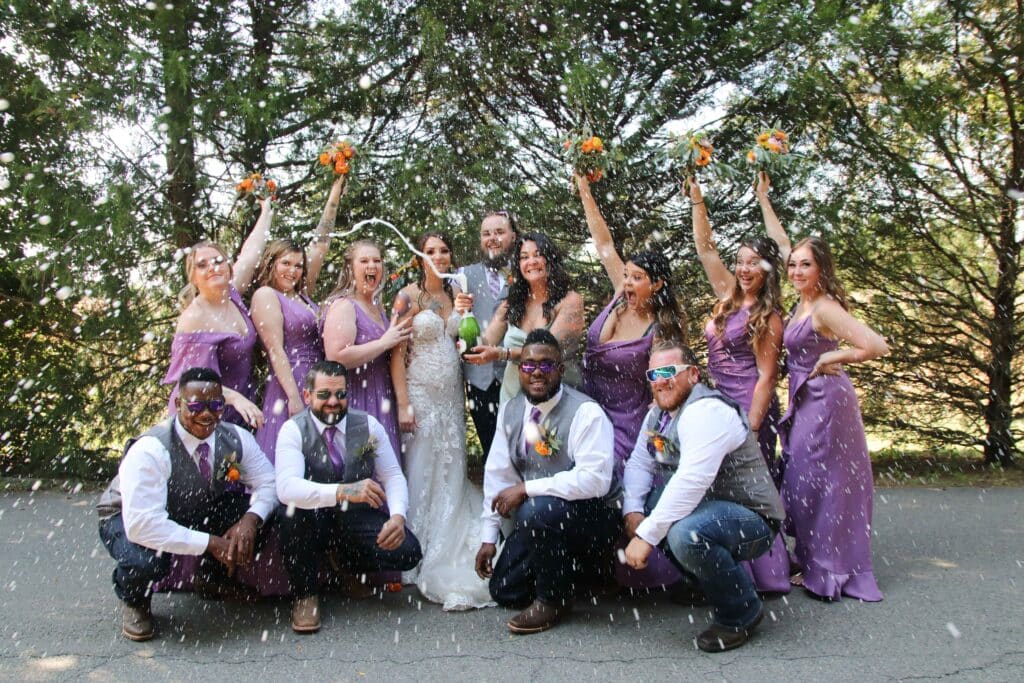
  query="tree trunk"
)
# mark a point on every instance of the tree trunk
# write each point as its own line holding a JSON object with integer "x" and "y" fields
{"x": 257, "y": 123}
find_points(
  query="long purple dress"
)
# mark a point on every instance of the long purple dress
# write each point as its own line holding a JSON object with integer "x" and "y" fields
{"x": 227, "y": 353}
{"x": 304, "y": 347}
{"x": 613, "y": 375}
{"x": 369, "y": 385}
{"x": 732, "y": 364}
{"x": 826, "y": 485}
{"x": 231, "y": 356}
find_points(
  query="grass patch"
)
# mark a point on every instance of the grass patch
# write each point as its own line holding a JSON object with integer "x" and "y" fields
{"x": 943, "y": 468}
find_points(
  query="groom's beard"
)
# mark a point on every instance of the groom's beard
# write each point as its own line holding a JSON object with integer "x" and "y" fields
{"x": 330, "y": 419}
{"x": 499, "y": 261}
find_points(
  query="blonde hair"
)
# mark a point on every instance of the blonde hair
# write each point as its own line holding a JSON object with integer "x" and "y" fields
{"x": 346, "y": 284}
{"x": 767, "y": 301}
{"x": 189, "y": 292}
{"x": 274, "y": 251}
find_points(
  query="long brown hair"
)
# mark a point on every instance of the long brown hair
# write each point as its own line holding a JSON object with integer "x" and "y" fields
{"x": 669, "y": 319}
{"x": 421, "y": 277}
{"x": 768, "y": 300}
{"x": 189, "y": 292}
{"x": 274, "y": 251}
{"x": 827, "y": 280}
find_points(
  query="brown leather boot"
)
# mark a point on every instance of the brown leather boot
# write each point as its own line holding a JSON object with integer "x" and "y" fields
{"x": 306, "y": 614}
{"x": 136, "y": 622}
{"x": 538, "y": 617}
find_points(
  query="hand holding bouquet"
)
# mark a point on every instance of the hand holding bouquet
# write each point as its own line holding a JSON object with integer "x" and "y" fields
{"x": 690, "y": 152}
{"x": 339, "y": 158}
{"x": 257, "y": 186}
{"x": 587, "y": 156}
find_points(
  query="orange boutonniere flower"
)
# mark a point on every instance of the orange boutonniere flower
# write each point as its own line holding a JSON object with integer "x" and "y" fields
{"x": 659, "y": 446}
{"x": 230, "y": 469}
{"x": 548, "y": 444}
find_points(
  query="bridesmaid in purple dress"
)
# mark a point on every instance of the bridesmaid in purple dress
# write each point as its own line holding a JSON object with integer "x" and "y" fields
{"x": 214, "y": 329}
{"x": 286, "y": 319}
{"x": 744, "y": 338}
{"x": 617, "y": 350}
{"x": 827, "y": 485}
{"x": 357, "y": 333}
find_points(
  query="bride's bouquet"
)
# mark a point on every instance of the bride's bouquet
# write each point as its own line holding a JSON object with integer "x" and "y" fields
{"x": 339, "y": 158}
{"x": 257, "y": 186}
{"x": 690, "y": 152}
{"x": 587, "y": 156}
{"x": 771, "y": 152}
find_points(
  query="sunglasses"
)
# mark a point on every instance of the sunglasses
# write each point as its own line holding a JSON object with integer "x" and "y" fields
{"x": 325, "y": 394}
{"x": 214, "y": 405}
{"x": 666, "y": 371}
{"x": 545, "y": 366}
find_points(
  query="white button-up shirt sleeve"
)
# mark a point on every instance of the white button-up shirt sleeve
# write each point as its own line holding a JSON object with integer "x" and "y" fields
{"x": 499, "y": 474}
{"x": 257, "y": 475}
{"x": 708, "y": 431}
{"x": 387, "y": 470}
{"x": 639, "y": 473}
{"x": 144, "y": 474}
{"x": 290, "y": 464}
{"x": 591, "y": 445}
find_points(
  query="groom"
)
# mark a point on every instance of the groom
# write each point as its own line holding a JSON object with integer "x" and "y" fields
{"x": 327, "y": 457}
{"x": 551, "y": 471}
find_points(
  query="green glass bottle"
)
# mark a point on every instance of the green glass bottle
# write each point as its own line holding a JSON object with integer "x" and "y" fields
{"x": 469, "y": 333}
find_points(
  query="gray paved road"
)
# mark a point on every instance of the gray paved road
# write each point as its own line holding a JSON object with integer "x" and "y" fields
{"x": 951, "y": 564}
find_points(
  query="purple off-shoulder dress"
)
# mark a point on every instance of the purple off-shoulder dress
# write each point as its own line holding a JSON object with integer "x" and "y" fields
{"x": 613, "y": 375}
{"x": 827, "y": 486}
{"x": 231, "y": 356}
{"x": 227, "y": 353}
{"x": 732, "y": 365}
{"x": 304, "y": 347}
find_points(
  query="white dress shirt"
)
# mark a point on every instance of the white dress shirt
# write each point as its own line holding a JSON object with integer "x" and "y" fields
{"x": 294, "y": 489}
{"x": 590, "y": 445}
{"x": 145, "y": 472}
{"x": 708, "y": 431}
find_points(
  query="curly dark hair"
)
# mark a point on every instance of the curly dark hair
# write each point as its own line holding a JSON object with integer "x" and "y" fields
{"x": 519, "y": 290}
{"x": 670, "y": 320}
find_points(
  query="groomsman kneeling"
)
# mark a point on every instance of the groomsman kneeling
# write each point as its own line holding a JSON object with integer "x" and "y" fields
{"x": 551, "y": 471}
{"x": 326, "y": 460}
{"x": 719, "y": 506}
{"x": 181, "y": 488}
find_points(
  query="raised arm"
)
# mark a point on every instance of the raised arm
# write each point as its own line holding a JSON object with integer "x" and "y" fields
{"x": 767, "y": 372}
{"x": 318, "y": 246}
{"x": 568, "y": 325}
{"x": 269, "y": 321}
{"x": 252, "y": 248}
{"x": 772, "y": 224}
{"x": 722, "y": 281}
{"x": 829, "y": 318}
{"x": 602, "y": 236}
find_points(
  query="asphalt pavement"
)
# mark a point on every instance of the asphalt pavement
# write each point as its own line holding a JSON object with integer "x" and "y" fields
{"x": 950, "y": 562}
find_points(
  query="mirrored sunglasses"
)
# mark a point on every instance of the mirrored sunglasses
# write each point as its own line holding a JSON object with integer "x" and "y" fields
{"x": 665, "y": 372}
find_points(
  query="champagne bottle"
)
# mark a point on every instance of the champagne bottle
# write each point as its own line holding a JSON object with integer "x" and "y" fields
{"x": 469, "y": 333}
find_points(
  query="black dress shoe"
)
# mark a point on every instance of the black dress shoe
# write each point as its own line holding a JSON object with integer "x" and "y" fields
{"x": 538, "y": 617}
{"x": 721, "y": 638}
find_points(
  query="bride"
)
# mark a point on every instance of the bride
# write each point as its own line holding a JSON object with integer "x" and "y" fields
{"x": 444, "y": 507}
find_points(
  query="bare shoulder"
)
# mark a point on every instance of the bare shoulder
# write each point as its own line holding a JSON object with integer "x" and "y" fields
{"x": 265, "y": 296}
{"x": 572, "y": 301}
{"x": 191, "y": 319}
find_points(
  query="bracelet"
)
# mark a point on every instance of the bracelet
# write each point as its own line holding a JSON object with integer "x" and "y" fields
{"x": 696, "y": 203}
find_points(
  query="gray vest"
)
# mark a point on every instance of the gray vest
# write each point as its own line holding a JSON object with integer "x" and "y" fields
{"x": 319, "y": 467}
{"x": 743, "y": 476}
{"x": 188, "y": 496}
{"x": 484, "y": 305}
{"x": 536, "y": 466}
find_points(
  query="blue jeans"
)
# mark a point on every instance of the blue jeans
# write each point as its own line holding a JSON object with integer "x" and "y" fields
{"x": 708, "y": 545}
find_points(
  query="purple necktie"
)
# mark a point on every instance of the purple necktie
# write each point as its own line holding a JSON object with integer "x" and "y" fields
{"x": 534, "y": 420}
{"x": 494, "y": 281}
{"x": 205, "y": 471}
{"x": 332, "y": 449}
{"x": 663, "y": 422}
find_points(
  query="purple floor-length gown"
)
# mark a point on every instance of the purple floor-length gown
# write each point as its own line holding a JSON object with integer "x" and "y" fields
{"x": 613, "y": 375}
{"x": 732, "y": 364}
{"x": 230, "y": 355}
{"x": 304, "y": 347}
{"x": 227, "y": 353}
{"x": 826, "y": 485}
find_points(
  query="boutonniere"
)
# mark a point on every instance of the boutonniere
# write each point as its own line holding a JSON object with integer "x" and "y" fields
{"x": 548, "y": 444}
{"x": 230, "y": 469}
{"x": 368, "y": 450}
{"x": 660, "y": 445}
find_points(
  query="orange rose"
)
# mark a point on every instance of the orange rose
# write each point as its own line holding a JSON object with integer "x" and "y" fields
{"x": 340, "y": 167}
{"x": 780, "y": 135}
{"x": 587, "y": 147}
{"x": 325, "y": 159}
{"x": 233, "y": 474}
{"x": 774, "y": 146}
{"x": 596, "y": 144}
{"x": 704, "y": 159}
{"x": 751, "y": 157}
{"x": 272, "y": 186}
{"x": 659, "y": 444}
{"x": 347, "y": 152}
{"x": 594, "y": 175}
{"x": 543, "y": 448}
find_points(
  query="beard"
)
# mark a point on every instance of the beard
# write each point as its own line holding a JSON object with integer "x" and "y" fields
{"x": 330, "y": 419}
{"x": 499, "y": 261}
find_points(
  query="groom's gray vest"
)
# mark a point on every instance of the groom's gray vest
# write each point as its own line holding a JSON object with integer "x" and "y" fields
{"x": 535, "y": 466}
{"x": 188, "y": 495}
{"x": 742, "y": 477}
{"x": 484, "y": 305}
{"x": 319, "y": 467}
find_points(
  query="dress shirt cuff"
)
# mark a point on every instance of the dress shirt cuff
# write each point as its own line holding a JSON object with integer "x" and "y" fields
{"x": 328, "y": 495}
{"x": 631, "y": 504}
{"x": 649, "y": 532}
{"x": 489, "y": 531}
{"x": 262, "y": 508}
{"x": 198, "y": 542}
{"x": 536, "y": 487}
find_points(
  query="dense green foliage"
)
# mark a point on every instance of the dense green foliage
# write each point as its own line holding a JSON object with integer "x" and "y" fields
{"x": 129, "y": 124}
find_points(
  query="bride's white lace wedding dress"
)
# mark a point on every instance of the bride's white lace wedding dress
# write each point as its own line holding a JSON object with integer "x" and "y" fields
{"x": 444, "y": 506}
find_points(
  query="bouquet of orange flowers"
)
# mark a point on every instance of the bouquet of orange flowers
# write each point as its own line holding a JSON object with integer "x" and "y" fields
{"x": 339, "y": 158}
{"x": 771, "y": 152}
{"x": 587, "y": 156}
{"x": 257, "y": 186}
{"x": 690, "y": 152}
